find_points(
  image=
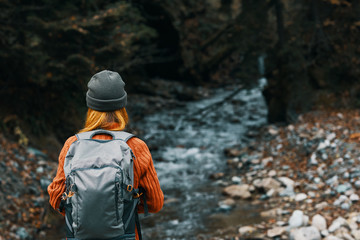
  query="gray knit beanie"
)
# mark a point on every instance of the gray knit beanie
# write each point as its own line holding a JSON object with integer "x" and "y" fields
{"x": 106, "y": 92}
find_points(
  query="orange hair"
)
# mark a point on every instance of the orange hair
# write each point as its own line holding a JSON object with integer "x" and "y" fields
{"x": 105, "y": 120}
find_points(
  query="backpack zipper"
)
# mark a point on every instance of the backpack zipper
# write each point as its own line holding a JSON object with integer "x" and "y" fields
{"x": 117, "y": 188}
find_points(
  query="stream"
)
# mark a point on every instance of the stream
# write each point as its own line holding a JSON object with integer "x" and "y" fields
{"x": 190, "y": 143}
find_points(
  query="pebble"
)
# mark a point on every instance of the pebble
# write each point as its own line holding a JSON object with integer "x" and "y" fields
{"x": 296, "y": 219}
{"x": 305, "y": 233}
{"x": 319, "y": 222}
{"x": 246, "y": 230}
{"x": 343, "y": 188}
{"x": 238, "y": 191}
{"x": 336, "y": 224}
{"x": 300, "y": 197}
{"x": 236, "y": 179}
{"x": 354, "y": 197}
{"x": 357, "y": 184}
{"x": 22, "y": 233}
{"x": 227, "y": 204}
{"x": 274, "y": 232}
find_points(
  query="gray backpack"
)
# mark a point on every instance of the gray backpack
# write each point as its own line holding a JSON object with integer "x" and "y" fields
{"x": 100, "y": 201}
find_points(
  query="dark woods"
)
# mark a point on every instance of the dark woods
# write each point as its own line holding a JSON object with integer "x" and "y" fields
{"x": 50, "y": 48}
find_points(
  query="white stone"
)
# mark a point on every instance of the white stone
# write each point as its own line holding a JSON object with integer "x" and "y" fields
{"x": 296, "y": 219}
{"x": 272, "y": 173}
{"x": 246, "y": 230}
{"x": 280, "y": 223}
{"x": 287, "y": 181}
{"x": 354, "y": 197}
{"x": 332, "y": 237}
{"x": 347, "y": 236}
{"x": 277, "y": 231}
{"x": 236, "y": 179}
{"x": 356, "y": 234}
{"x": 305, "y": 233}
{"x": 336, "y": 224}
{"x": 319, "y": 222}
{"x": 300, "y": 197}
{"x": 321, "y": 205}
{"x": 324, "y": 233}
{"x": 268, "y": 183}
{"x": 238, "y": 191}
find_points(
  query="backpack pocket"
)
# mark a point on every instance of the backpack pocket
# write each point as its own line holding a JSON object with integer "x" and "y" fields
{"x": 94, "y": 213}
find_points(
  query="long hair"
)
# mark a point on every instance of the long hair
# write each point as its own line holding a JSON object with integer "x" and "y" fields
{"x": 105, "y": 120}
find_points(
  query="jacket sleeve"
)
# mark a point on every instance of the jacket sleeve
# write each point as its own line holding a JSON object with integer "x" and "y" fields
{"x": 146, "y": 177}
{"x": 57, "y": 187}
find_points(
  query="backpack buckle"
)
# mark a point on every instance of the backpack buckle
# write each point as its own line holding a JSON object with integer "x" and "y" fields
{"x": 129, "y": 188}
{"x": 137, "y": 195}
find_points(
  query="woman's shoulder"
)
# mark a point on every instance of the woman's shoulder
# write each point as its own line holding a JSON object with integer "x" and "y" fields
{"x": 69, "y": 141}
{"x": 137, "y": 143}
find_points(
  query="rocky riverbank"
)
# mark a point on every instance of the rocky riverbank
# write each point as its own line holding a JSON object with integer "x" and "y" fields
{"x": 305, "y": 175}
{"x": 25, "y": 174}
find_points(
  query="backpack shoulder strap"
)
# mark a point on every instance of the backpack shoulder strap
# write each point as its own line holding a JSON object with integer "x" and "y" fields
{"x": 125, "y": 136}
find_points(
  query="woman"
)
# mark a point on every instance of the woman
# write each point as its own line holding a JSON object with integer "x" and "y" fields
{"x": 106, "y": 100}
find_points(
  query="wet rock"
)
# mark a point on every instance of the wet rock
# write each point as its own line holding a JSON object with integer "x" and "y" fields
{"x": 227, "y": 204}
{"x": 237, "y": 191}
{"x": 319, "y": 222}
{"x": 305, "y": 233}
{"x": 274, "y": 232}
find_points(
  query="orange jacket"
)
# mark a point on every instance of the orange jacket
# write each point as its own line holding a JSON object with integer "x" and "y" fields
{"x": 144, "y": 175}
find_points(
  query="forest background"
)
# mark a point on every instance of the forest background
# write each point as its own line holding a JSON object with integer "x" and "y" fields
{"x": 50, "y": 49}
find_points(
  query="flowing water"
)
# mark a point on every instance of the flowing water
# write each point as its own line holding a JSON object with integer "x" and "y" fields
{"x": 188, "y": 146}
{"x": 190, "y": 143}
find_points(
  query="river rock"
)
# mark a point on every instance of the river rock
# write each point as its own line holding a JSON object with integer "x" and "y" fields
{"x": 246, "y": 230}
{"x": 332, "y": 237}
{"x": 22, "y": 233}
{"x": 267, "y": 184}
{"x": 343, "y": 188}
{"x": 354, "y": 197}
{"x": 297, "y": 219}
{"x": 319, "y": 222}
{"x": 356, "y": 234}
{"x": 300, "y": 197}
{"x": 336, "y": 224}
{"x": 236, "y": 179}
{"x": 237, "y": 191}
{"x": 305, "y": 233}
{"x": 274, "y": 232}
{"x": 357, "y": 184}
{"x": 227, "y": 204}
{"x": 287, "y": 181}
{"x": 271, "y": 213}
